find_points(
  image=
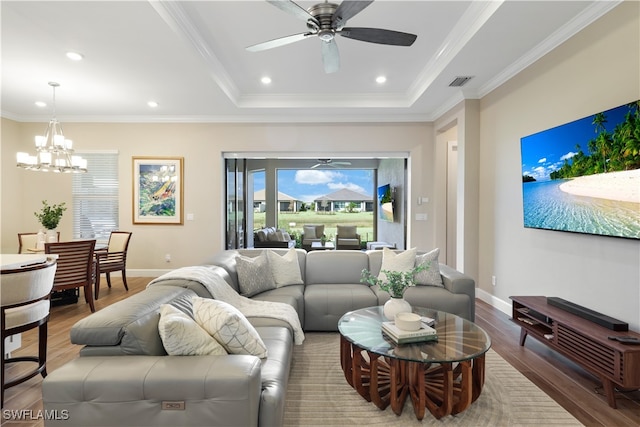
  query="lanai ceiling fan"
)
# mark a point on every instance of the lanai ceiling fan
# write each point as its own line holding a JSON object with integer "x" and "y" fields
{"x": 330, "y": 163}
{"x": 325, "y": 20}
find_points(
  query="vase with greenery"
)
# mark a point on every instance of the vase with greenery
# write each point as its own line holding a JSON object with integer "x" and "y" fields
{"x": 50, "y": 215}
{"x": 395, "y": 283}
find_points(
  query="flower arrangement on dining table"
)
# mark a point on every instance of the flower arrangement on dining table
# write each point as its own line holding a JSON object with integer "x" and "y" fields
{"x": 50, "y": 215}
{"x": 395, "y": 282}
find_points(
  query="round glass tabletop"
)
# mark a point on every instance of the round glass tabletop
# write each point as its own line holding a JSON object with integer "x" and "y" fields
{"x": 458, "y": 338}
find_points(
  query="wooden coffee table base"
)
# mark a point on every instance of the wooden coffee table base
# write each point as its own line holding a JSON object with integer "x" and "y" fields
{"x": 442, "y": 388}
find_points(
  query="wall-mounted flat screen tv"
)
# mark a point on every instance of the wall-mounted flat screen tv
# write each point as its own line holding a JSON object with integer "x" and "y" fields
{"x": 385, "y": 203}
{"x": 584, "y": 176}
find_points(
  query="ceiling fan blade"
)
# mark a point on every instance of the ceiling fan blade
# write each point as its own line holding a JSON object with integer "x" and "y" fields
{"x": 294, "y": 9}
{"x": 378, "y": 35}
{"x": 278, "y": 42}
{"x": 347, "y": 10}
{"x": 330, "y": 56}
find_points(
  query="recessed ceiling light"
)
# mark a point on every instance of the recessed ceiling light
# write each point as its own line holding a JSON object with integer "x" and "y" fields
{"x": 381, "y": 79}
{"x": 41, "y": 104}
{"x": 75, "y": 56}
{"x": 265, "y": 80}
{"x": 152, "y": 104}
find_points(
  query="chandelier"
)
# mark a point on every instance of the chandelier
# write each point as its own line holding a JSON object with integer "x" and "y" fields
{"x": 54, "y": 153}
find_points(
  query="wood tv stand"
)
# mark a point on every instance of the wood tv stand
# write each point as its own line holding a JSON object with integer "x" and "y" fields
{"x": 582, "y": 341}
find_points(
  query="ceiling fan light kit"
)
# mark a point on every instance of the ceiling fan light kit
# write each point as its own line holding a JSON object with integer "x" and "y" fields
{"x": 325, "y": 20}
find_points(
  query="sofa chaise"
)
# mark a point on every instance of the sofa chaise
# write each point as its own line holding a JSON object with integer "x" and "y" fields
{"x": 125, "y": 377}
{"x": 270, "y": 237}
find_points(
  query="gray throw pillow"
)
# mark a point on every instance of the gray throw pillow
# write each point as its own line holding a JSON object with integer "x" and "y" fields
{"x": 347, "y": 231}
{"x": 431, "y": 276}
{"x": 262, "y": 235}
{"x": 254, "y": 274}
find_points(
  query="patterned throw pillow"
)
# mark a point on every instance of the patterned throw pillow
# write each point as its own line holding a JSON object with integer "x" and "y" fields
{"x": 228, "y": 326}
{"x": 285, "y": 268}
{"x": 392, "y": 261}
{"x": 254, "y": 274}
{"x": 182, "y": 336}
{"x": 431, "y": 276}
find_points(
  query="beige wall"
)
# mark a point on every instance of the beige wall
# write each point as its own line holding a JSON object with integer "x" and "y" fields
{"x": 597, "y": 70}
{"x": 202, "y": 146}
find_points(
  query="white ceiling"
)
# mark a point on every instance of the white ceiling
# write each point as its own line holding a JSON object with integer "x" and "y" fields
{"x": 190, "y": 57}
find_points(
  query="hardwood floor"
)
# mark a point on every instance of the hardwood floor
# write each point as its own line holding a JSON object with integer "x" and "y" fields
{"x": 572, "y": 387}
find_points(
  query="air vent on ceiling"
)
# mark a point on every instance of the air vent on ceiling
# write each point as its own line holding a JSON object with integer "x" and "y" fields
{"x": 460, "y": 81}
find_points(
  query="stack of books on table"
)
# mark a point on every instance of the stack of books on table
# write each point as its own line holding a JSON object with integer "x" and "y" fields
{"x": 399, "y": 336}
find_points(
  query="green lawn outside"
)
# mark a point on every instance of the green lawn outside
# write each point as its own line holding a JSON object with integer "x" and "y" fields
{"x": 363, "y": 220}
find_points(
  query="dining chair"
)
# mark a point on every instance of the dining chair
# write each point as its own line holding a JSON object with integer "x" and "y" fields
{"x": 27, "y": 241}
{"x": 75, "y": 266}
{"x": 114, "y": 258}
{"x": 24, "y": 305}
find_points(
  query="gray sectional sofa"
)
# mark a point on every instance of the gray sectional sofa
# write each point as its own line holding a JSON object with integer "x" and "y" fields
{"x": 125, "y": 377}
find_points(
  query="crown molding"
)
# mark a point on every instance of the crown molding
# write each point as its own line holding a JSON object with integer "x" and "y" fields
{"x": 577, "y": 24}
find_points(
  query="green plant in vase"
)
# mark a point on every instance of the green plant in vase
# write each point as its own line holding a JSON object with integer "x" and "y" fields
{"x": 50, "y": 215}
{"x": 395, "y": 283}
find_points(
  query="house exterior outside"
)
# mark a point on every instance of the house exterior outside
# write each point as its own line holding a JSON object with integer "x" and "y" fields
{"x": 340, "y": 200}
{"x": 286, "y": 203}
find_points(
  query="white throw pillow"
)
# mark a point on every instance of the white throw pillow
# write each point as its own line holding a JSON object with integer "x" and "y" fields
{"x": 228, "y": 326}
{"x": 431, "y": 276}
{"x": 182, "y": 336}
{"x": 285, "y": 268}
{"x": 254, "y": 274}
{"x": 392, "y": 261}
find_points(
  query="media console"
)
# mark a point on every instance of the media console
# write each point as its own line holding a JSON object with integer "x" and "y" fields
{"x": 581, "y": 340}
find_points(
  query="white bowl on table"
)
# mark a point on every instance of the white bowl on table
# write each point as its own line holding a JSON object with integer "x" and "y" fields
{"x": 408, "y": 321}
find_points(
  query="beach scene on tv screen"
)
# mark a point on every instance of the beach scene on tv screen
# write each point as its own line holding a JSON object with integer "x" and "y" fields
{"x": 385, "y": 203}
{"x": 584, "y": 176}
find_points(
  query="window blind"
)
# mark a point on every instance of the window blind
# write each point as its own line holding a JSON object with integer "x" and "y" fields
{"x": 96, "y": 198}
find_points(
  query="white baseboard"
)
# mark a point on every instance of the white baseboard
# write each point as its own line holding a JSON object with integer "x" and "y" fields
{"x": 493, "y": 301}
{"x": 146, "y": 272}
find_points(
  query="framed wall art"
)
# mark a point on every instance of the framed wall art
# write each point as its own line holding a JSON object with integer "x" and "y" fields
{"x": 157, "y": 190}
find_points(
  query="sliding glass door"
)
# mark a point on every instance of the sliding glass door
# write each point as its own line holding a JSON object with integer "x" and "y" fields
{"x": 235, "y": 212}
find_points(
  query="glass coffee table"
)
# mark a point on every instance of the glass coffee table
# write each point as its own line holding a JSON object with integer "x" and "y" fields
{"x": 443, "y": 376}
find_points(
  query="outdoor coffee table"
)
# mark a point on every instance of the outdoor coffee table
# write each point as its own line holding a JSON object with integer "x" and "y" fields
{"x": 444, "y": 377}
{"x": 319, "y": 246}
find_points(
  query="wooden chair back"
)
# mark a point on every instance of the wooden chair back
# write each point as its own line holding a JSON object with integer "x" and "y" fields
{"x": 115, "y": 258}
{"x": 25, "y": 241}
{"x": 28, "y": 241}
{"x": 75, "y": 266}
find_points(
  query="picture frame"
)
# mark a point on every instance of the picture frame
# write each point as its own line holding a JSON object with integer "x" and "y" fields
{"x": 158, "y": 190}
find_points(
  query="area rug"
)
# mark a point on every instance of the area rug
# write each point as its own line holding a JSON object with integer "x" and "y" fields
{"x": 318, "y": 395}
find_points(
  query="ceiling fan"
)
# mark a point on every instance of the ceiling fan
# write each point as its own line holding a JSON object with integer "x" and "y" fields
{"x": 330, "y": 163}
{"x": 325, "y": 20}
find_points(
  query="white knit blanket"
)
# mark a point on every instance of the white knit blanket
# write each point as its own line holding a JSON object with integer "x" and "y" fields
{"x": 221, "y": 290}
